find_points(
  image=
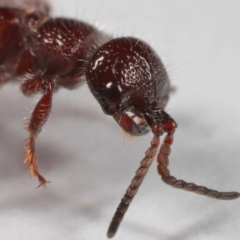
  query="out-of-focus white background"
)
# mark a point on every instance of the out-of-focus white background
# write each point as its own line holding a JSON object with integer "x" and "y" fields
{"x": 89, "y": 161}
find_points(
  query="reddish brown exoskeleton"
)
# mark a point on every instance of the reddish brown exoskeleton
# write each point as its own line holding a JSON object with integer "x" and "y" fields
{"x": 43, "y": 53}
{"x": 125, "y": 75}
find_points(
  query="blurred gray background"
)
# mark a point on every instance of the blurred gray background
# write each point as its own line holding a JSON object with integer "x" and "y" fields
{"x": 90, "y": 162}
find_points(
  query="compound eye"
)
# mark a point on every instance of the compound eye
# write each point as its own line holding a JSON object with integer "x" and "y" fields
{"x": 113, "y": 93}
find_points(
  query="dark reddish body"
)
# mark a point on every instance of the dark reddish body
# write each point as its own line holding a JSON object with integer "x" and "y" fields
{"x": 55, "y": 50}
{"x": 125, "y": 75}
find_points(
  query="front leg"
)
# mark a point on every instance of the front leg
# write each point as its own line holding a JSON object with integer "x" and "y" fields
{"x": 38, "y": 119}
